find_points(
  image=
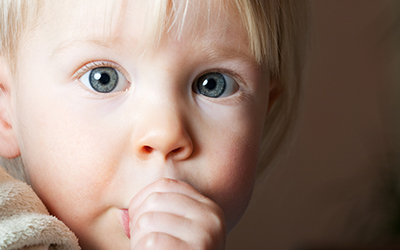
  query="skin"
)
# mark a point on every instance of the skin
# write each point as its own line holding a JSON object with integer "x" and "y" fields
{"x": 180, "y": 164}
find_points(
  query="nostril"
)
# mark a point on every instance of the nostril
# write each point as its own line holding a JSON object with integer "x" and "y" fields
{"x": 177, "y": 150}
{"x": 147, "y": 149}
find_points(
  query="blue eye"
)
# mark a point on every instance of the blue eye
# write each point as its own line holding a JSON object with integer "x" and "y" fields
{"x": 215, "y": 85}
{"x": 105, "y": 80}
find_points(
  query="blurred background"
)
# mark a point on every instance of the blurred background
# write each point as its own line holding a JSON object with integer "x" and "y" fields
{"x": 338, "y": 186}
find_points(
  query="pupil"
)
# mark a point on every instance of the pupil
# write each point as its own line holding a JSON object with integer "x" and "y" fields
{"x": 210, "y": 84}
{"x": 104, "y": 79}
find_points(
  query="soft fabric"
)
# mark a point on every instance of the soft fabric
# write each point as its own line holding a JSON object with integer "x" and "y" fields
{"x": 25, "y": 222}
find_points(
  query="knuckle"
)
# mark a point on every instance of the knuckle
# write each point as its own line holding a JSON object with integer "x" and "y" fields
{"x": 172, "y": 184}
{"x": 155, "y": 240}
{"x": 150, "y": 241}
{"x": 145, "y": 221}
{"x": 215, "y": 218}
{"x": 165, "y": 182}
{"x": 218, "y": 211}
{"x": 153, "y": 200}
{"x": 217, "y": 222}
{"x": 212, "y": 231}
{"x": 211, "y": 239}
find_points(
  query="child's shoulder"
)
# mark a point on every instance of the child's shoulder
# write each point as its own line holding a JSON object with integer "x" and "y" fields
{"x": 25, "y": 221}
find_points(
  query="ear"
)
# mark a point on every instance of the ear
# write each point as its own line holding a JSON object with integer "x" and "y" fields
{"x": 274, "y": 92}
{"x": 9, "y": 147}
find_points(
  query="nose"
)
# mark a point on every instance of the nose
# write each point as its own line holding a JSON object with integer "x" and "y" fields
{"x": 163, "y": 134}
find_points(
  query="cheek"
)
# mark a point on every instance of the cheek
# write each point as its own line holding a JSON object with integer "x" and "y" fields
{"x": 231, "y": 163}
{"x": 64, "y": 155}
{"x": 68, "y": 163}
{"x": 234, "y": 180}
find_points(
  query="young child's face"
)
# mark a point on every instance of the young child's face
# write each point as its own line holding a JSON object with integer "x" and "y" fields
{"x": 88, "y": 153}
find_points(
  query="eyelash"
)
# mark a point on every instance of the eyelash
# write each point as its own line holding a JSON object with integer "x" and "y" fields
{"x": 95, "y": 64}
{"x": 235, "y": 76}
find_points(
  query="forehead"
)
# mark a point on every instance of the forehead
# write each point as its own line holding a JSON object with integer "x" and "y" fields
{"x": 144, "y": 22}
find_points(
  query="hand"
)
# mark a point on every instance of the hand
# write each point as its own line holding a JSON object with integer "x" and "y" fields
{"x": 170, "y": 214}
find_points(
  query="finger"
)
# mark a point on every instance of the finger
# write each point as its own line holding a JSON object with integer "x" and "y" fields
{"x": 162, "y": 186}
{"x": 176, "y": 203}
{"x": 159, "y": 241}
{"x": 166, "y": 223}
{"x": 179, "y": 228}
{"x": 181, "y": 211}
{"x": 180, "y": 216}
{"x": 166, "y": 185}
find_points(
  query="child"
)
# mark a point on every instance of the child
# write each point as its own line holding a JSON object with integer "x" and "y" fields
{"x": 140, "y": 123}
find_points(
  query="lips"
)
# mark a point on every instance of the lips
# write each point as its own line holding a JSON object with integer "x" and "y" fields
{"x": 125, "y": 222}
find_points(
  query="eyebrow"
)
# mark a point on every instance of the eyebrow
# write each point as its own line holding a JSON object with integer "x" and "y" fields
{"x": 212, "y": 50}
{"x": 229, "y": 52}
{"x": 76, "y": 43}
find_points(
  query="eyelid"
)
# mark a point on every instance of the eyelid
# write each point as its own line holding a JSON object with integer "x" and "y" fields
{"x": 229, "y": 73}
{"x": 235, "y": 76}
{"x": 83, "y": 70}
{"x": 96, "y": 64}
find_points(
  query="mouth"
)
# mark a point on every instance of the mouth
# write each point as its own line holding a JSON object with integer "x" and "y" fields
{"x": 125, "y": 222}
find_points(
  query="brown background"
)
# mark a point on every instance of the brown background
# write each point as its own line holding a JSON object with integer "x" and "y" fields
{"x": 328, "y": 190}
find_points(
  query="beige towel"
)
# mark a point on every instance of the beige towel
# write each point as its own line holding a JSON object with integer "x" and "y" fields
{"x": 25, "y": 222}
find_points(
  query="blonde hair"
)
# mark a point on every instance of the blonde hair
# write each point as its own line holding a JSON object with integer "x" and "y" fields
{"x": 15, "y": 15}
{"x": 277, "y": 38}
